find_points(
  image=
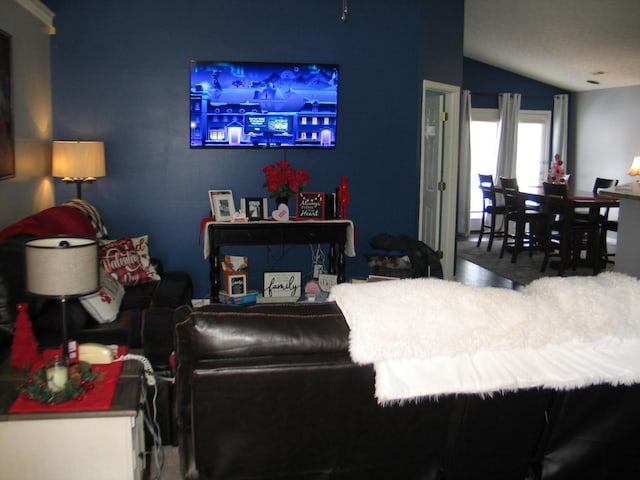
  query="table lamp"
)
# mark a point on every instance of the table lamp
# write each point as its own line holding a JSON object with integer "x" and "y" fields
{"x": 78, "y": 162}
{"x": 635, "y": 167}
{"x": 62, "y": 267}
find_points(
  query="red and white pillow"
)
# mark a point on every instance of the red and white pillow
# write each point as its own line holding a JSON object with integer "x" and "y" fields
{"x": 141, "y": 245}
{"x": 104, "y": 305}
{"x": 128, "y": 261}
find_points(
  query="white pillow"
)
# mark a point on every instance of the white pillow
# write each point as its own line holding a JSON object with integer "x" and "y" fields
{"x": 104, "y": 305}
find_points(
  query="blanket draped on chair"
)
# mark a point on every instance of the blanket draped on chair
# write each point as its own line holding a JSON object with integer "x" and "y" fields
{"x": 52, "y": 221}
{"x": 428, "y": 337}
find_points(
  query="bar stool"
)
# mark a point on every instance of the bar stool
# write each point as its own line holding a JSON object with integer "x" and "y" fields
{"x": 489, "y": 207}
{"x": 606, "y": 225}
{"x": 567, "y": 235}
{"x": 528, "y": 222}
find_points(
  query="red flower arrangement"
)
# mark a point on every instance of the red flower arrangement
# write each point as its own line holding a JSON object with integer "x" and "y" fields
{"x": 282, "y": 180}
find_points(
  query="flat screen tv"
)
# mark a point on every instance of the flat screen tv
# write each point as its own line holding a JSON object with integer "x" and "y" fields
{"x": 263, "y": 105}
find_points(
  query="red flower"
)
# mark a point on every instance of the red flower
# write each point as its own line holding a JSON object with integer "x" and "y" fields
{"x": 282, "y": 180}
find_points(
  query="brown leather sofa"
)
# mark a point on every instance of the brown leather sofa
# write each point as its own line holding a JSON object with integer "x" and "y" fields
{"x": 270, "y": 392}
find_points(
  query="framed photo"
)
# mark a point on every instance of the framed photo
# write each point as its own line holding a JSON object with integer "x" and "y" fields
{"x": 255, "y": 208}
{"x": 222, "y": 206}
{"x": 310, "y": 205}
{"x": 7, "y": 153}
{"x": 237, "y": 284}
{"x": 282, "y": 285}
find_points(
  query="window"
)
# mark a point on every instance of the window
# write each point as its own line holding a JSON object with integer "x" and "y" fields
{"x": 532, "y": 159}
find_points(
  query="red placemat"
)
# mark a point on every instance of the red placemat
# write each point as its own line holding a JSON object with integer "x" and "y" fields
{"x": 99, "y": 398}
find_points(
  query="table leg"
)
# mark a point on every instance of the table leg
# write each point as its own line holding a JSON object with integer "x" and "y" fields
{"x": 214, "y": 274}
{"x": 342, "y": 263}
{"x": 332, "y": 258}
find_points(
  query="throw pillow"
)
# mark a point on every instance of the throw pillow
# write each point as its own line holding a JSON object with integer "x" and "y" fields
{"x": 104, "y": 305}
{"x": 141, "y": 245}
{"x": 121, "y": 260}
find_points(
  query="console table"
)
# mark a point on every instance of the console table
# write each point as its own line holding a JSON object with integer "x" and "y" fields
{"x": 100, "y": 445}
{"x": 337, "y": 233}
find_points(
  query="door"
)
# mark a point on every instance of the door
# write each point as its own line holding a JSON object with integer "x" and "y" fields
{"x": 439, "y": 170}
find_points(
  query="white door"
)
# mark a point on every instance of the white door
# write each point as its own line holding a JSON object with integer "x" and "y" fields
{"x": 439, "y": 171}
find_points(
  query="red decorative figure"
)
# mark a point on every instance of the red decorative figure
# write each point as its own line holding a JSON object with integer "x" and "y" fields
{"x": 24, "y": 349}
{"x": 345, "y": 197}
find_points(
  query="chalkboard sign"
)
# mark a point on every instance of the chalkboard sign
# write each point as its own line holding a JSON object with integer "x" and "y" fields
{"x": 310, "y": 205}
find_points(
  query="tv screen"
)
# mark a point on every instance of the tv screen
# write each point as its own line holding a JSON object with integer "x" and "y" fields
{"x": 263, "y": 105}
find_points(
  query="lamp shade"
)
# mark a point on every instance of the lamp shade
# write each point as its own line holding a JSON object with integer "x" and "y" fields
{"x": 62, "y": 266}
{"x": 78, "y": 159}
{"x": 635, "y": 166}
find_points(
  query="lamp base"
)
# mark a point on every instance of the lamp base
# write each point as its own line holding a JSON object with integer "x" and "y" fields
{"x": 63, "y": 329}
{"x": 79, "y": 181}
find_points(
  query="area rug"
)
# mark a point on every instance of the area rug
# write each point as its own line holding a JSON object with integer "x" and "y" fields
{"x": 524, "y": 271}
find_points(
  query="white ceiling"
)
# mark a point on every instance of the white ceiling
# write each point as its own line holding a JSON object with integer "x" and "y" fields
{"x": 560, "y": 42}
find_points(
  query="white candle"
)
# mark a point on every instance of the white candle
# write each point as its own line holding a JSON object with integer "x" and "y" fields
{"x": 57, "y": 376}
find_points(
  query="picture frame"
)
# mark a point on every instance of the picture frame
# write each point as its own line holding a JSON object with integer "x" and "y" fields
{"x": 310, "y": 205}
{"x": 237, "y": 284}
{"x": 222, "y": 207}
{"x": 7, "y": 147}
{"x": 255, "y": 208}
{"x": 284, "y": 286}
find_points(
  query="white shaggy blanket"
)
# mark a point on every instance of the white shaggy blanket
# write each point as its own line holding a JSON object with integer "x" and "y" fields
{"x": 429, "y": 337}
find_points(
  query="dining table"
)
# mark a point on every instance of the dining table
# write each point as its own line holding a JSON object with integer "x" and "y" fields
{"x": 577, "y": 200}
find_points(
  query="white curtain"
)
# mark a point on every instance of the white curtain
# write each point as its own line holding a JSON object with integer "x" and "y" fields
{"x": 509, "y": 107}
{"x": 464, "y": 168}
{"x": 560, "y": 116}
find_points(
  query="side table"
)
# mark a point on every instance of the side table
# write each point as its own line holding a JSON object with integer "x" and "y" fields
{"x": 101, "y": 445}
{"x": 337, "y": 233}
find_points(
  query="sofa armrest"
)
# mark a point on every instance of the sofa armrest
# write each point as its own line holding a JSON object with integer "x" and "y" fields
{"x": 156, "y": 323}
{"x": 174, "y": 289}
{"x": 157, "y": 335}
{"x": 156, "y": 263}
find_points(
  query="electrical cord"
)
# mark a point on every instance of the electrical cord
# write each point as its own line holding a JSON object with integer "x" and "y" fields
{"x": 150, "y": 412}
{"x": 318, "y": 258}
{"x": 151, "y": 422}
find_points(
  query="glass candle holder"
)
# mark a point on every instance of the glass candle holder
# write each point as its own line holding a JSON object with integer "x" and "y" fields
{"x": 57, "y": 371}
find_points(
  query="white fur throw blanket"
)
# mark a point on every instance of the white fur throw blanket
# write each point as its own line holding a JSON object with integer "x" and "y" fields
{"x": 428, "y": 337}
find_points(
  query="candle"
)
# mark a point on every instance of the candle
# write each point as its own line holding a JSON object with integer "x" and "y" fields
{"x": 56, "y": 377}
{"x": 57, "y": 374}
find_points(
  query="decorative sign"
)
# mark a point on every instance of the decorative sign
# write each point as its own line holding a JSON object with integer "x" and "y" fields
{"x": 327, "y": 281}
{"x": 281, "y": 214}
{"x": 282, "y": 284}
{"x": 310, "y": 205}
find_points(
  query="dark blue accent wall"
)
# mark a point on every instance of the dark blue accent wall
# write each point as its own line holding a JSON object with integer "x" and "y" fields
{"x": 486, "y": 82}
{"x": 120, "y": 74}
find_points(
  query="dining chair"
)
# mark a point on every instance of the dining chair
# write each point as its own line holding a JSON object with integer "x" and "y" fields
{"x": 606, "y": 225}
{"x": 567, "y": 236}
{"x": 512, "y": 183}
{"x": 527, "y": 223}
{"x": 597, "y": 185}
{"x": 490, "y": 208}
